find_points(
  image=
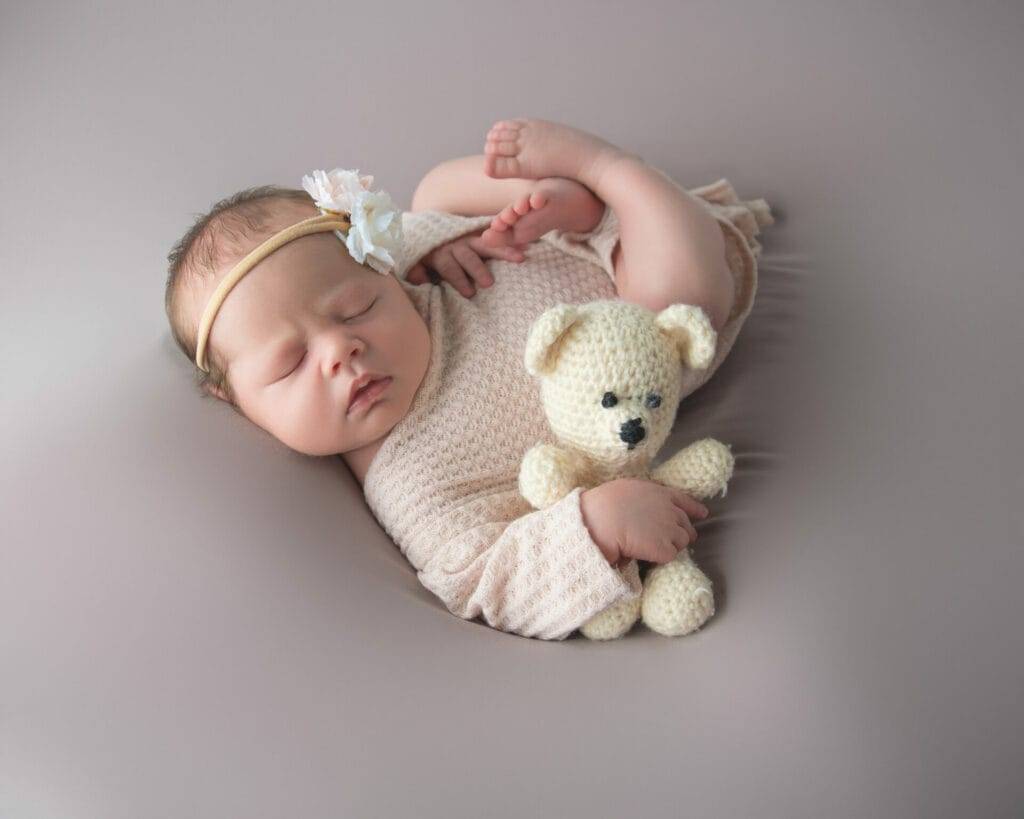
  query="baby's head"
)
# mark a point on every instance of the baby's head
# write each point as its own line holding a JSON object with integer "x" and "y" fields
{"x": 296, "y": 331}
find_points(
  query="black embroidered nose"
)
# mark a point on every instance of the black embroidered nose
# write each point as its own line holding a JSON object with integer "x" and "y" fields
{"x": 632, "y": 432}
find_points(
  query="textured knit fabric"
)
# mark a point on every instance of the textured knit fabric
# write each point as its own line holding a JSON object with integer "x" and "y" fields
{"x": 444, "y": 483}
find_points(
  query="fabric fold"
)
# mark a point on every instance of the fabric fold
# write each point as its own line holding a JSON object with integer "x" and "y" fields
{"x": 542, "y": 575}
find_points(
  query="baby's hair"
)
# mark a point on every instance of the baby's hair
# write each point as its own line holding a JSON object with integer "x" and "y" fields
{"x": 228, "y": 231}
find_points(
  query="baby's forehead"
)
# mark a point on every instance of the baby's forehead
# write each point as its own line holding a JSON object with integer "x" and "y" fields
{"x": 312, "y": 261}
{"x": 232, "y": 235}
{"x": 309, "y": 268}
{"x": 316, "y": 251}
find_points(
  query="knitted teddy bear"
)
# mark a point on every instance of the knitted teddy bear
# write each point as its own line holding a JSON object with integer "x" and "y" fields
{"x": 611, "y": 377}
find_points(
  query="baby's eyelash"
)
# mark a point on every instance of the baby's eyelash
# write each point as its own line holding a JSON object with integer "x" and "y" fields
{"x": 304, "y": 352}
{"x": 293, "y": 369}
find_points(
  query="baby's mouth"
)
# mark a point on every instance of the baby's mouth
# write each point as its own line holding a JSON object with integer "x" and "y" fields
{"x": 367, "y": 395}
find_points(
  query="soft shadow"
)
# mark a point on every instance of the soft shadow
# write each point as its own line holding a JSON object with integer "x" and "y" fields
{"x": 744, "y": 405}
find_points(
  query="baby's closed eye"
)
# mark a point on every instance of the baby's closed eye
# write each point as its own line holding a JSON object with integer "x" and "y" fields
{"x": 300, "y": 355}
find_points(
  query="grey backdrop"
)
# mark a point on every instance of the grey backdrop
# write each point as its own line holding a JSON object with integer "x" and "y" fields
{"x": 197, "y": 622}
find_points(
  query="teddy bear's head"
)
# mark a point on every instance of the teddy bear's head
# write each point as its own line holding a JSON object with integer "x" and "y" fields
{"x": 611, "y": 372}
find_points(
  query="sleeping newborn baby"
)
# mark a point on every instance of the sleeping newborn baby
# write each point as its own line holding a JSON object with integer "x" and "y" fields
{"x": 415, "y": 376}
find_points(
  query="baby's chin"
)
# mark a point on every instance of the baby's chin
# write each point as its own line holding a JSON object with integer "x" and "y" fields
{"x": 358, "y": 459}
{"x": 360, "y": 440}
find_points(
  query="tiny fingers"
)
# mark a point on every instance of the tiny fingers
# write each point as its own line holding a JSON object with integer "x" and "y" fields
{"x": 515, "y": 253}
{"x": 461, "y": 264}
{"x": 511, "y": 253}
{"x": 689, "y": 505}
{"x": 669, "y": 551}
{"x": 452, "y": 272}
{"x": 498, "y": 249}
{"x": 473, "y": 265}
{"x": 417, "y": 274}
{"x": 685, "y": 523}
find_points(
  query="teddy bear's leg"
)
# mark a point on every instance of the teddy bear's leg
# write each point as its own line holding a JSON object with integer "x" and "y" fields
{"x": 702, "y": 469}
{"x": 619, "y": 617}
{"x": 677, "y": 597}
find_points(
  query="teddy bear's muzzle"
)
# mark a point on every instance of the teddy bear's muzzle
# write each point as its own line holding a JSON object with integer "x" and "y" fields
{"x": 632, "y": 432}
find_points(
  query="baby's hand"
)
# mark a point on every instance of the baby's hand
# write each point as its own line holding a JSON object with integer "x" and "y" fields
{"x": 635, "y": 518}
{"x": 460, "y": 263}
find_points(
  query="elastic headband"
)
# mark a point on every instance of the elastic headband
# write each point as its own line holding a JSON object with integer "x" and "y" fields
{"x": 315, "y": 224}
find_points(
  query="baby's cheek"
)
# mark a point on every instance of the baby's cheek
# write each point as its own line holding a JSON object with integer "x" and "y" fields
{"x": 287, "y": 419}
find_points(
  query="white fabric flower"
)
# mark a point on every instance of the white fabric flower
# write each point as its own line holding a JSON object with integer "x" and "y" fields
{"x": 375, "y": 235}
{"x": 336, "y": 191}
{"x": 376, "y": 232}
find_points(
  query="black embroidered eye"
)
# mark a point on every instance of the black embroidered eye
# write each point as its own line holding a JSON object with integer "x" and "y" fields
{"x": 609, "y": 400}
{"x": 653, "y": 400}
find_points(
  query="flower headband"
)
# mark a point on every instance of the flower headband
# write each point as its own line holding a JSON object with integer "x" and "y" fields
{"x": 366, "y": 221}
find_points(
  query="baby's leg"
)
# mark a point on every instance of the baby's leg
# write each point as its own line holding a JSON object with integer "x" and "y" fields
{"x": 671, "y": 250}
{"x": 460, "y": 186}
{"x": 526, "y": 208}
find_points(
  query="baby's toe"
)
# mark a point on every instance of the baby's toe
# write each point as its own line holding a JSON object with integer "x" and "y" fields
{"x": 496, "y": 135}
{"x": 504, "y": 147}
{"x": 509, "y": 216}
{"x": 501, "y": 167}
{"x": 500, "y": 154}
{"x": 505, "y": 128}
{"x": 493, "y": 238}
{"x": 538, "y": 199}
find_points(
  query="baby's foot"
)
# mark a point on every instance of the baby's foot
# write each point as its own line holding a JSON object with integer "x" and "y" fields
{"x": 536, "y": 148}
{"x": 555, "y": 204}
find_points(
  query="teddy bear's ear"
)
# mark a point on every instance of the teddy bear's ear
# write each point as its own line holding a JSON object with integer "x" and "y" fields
{"x": 546, "y": 336}
{"x": 690, "y": 328}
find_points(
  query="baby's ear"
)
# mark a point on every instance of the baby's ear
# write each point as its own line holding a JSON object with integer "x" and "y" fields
{"x": 546, "y": 336}
{"x": 690, "y": 329}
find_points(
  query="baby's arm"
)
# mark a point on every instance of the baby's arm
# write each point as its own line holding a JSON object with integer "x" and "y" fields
{"x": 541, "y": 575}
{"x": 460, "y": 262}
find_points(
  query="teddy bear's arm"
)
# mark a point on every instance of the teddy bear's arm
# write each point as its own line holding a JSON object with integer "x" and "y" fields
{"x": 548, "y": 473}
{"x": 702, "y": 469}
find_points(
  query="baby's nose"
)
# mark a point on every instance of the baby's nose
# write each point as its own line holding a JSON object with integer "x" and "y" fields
{"x": 337, "y": 352}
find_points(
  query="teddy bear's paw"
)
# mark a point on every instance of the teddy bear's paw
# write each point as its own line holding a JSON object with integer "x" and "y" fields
{"x": 614, "y": 621}
{"x": 677, "y": 598}
{"x": 711, "y": 465}
{"x": 546, "y": 475}
{"x": 702, "y": 469}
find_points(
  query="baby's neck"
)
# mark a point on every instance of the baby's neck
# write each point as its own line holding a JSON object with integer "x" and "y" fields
{"x": 358, "y": 460}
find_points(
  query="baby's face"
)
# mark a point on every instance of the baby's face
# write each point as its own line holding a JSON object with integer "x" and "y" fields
{"x": 301, "y": 327}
